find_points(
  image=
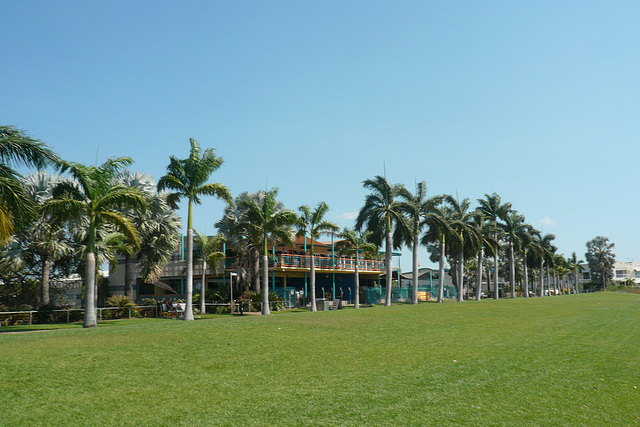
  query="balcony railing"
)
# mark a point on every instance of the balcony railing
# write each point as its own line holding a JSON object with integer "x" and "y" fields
{"x": 321, "y": 262}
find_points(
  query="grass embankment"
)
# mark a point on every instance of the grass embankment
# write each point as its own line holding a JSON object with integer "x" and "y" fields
{"x": 567, "y": 360}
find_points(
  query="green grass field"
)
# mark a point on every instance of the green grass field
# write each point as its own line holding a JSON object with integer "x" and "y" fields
{"x": 567, "y": 360}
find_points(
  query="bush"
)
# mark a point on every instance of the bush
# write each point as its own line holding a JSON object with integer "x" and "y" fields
{"x": 124, "y": 304}
{"x": 45, "y": 313}
{"x": 275, "y": 302}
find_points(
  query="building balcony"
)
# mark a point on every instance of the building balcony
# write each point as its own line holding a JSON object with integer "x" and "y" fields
{"x": 322, "y": 263}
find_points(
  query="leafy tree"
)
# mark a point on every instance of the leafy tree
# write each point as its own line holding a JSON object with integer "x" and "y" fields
{"x": 208, "y": 253}
{"x": 601, "y": 260}
{"x": 18, "y": 149}
{"x": 188, "y": 178}
{"x": 94, "y": 199}
{"x": 313, "y": 223}
{"x": 353, "y": 243}
{"x": 382, "y": 215}
{"x": 264, "y": 220}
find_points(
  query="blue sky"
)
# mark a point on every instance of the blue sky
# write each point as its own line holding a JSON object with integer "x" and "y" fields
{"x": 537, "y": 101}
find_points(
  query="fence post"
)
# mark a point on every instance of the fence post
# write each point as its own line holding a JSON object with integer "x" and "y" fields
{"x": 30, "y": 314}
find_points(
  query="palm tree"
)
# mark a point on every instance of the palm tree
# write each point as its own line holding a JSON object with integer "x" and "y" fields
{"x": 97, "y": 202}
{"x": 546, "y": 250}
{"x": 439, "y": 231}
{"x": 466, "y": 236}
{"x": 271, "y": 224}
{"x": 493, "y": 209}
{"x": 18, "y": 149}
{"x": 381, "y": 214}
{"x": 513, "y": 228}
{"x": 188, "y": 178}
{"x": 352, "y": 243}
{"x": 527, "y": 243}
{"x": 209, "y": 254}
{"x": 486, "y": 244}
{"x": 576, "y": 266}
{"x": 159, "y": 228}
{"x": 246, "y": 246}
{"x": 314, "y": 224}
{"x": 416, "y": 209}
{"x": 45, "y": 236}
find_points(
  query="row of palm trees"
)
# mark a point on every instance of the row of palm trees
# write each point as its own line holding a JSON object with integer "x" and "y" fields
{"x": 452, "y": 231}
{"x": 95, "y": 212}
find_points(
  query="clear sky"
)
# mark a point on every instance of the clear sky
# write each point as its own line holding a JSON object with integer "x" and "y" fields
{"x": 535, "y": 100}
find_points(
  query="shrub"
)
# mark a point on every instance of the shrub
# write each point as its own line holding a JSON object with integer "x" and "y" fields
{"x": 276, "y": 303}
{"x": 124, "y": 304}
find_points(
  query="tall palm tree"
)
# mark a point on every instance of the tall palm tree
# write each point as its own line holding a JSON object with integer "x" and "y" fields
{"x": 486, "y": 245}
{"x": 314, "y": 224}
{"x": 548, "y": 258}
{"x": 494, "y": 210}
{"x": 466, "y": 236}
{"x": 271, "y": 224}
{"x": 239, "y": 237}
{"x": 18, "y": 149}
{"x": 527, "y": 243}
{"x": 416, "y": 208}
{"x": 208, "y": 253}
{"x": 576, "y": 267}
{"x": 513, "y": 229}
{"x": 382, "y": 216}
{"x": 352, "y": 243}
{"x": 439, "y": 232}
{"x": 96, "y": 201}
{"x": 45, "y": 235}
{"x": 188, "y": 178}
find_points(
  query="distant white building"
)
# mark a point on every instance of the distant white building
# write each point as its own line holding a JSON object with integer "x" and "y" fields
{"x": 622, "y": 272}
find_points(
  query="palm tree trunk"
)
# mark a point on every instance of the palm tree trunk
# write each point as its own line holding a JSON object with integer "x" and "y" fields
{"x": 128, "y": 276}
{"x": 512, "y": 270}
{"x": 312, "y": 282}
{"x": 387, "y": 259}
{"x": 203, "y": 288}
{"x": 479, "y": 286}
{"x": 416, "y": 245}
{"x": 357, "y": 300}
{"x": 542, "y": 278}
{"x": 441, "y": 271}
{"x": 461, "y": 273}
{"x": 255, "y": 276}
{"x": 188, "y": 310}
{"x": 265, "y": 285}
{"x": 90, "y": 319}
{"x": 496, "y": 284}
{"x": 525, "y": 279}
{"x": 44, "y": 284}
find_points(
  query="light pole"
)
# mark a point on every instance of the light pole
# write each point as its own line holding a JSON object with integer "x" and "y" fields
{"x": 231, "y": 275}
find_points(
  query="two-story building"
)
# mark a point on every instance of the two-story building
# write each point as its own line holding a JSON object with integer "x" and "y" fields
{"x": 289, "y": 268}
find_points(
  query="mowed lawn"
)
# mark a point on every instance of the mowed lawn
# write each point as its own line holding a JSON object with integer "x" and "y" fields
{"x": 566, "y": 360}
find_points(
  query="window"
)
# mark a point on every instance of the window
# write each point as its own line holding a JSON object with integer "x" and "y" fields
{"x": 586, "y": 276}
{"x": 620, "y": 273}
